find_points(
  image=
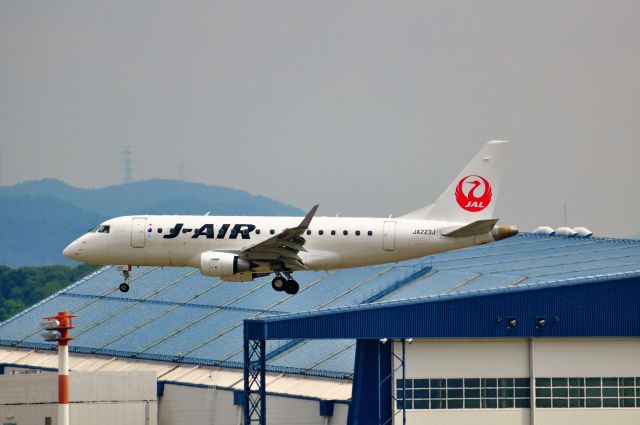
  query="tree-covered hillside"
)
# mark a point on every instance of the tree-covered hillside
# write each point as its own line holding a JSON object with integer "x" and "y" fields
{"x": 20, "y": 288}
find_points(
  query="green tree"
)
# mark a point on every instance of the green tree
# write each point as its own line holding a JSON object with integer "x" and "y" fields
{"x": 25, "y": 286}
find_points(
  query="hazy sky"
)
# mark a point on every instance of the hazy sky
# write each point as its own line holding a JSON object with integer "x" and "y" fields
{"x": 368, "y": 108}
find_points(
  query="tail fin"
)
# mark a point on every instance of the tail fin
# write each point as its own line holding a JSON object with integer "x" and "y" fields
{"x": 473, "y": 194}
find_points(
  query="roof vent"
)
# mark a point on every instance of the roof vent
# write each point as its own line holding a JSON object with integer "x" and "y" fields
{"x": 565, "y": 231}
{"x": 543, "y": 230}
{"x": 583, "y": 232}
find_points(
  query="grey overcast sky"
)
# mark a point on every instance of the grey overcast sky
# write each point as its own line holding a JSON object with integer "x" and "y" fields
{"x": 366, "y": 107}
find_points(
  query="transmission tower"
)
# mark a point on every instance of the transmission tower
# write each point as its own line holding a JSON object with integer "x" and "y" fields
{"x": 126, "y": 164}
{"x": 181, "y": 171}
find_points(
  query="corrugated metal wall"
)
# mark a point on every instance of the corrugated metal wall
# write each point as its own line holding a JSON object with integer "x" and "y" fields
{"x": 96, "y": 398}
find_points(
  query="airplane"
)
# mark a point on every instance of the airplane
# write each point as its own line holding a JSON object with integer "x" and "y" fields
{"x": 243, "y": 248}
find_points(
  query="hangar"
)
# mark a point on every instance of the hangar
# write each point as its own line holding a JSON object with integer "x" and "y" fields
{"x": 532, "y": 329}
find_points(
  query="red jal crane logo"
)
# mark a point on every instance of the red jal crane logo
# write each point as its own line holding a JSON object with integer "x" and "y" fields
{"x": 473, "y": 193}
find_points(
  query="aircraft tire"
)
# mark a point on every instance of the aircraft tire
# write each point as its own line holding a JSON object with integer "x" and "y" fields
{"x": 124, "y": 287}
{"x": 279, "y": 283}
{"x": 292, "y": 287}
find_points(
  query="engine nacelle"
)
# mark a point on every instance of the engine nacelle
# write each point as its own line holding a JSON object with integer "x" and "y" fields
{"x": 223, "y": 264}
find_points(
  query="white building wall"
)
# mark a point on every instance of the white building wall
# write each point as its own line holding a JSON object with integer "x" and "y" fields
{"x": 205, "y": 406}
{"x": 467, "y": 417}
{"x": 466, "y": 358}
{"x": 28, "y": 388}
{"x": 516, "y": 359}
{"x": 28, "y": 414}
{"x": 196, "y": 406}
{"x": 292, "y": 411}
{"x": 340, "y": 413}
{"x": 93, "y": 413}
{"x": 143, "y": 413}
{"x": 96, "y": 398}
{"x": 587, "y": 416}
{"x": 587, "y": 357}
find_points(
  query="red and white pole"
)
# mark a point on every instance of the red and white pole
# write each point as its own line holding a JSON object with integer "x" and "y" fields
{"x": 60, "y": 326}
{"x": 63, "y": 384}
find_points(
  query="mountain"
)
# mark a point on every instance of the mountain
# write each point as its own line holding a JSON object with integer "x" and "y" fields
{"x": 39, "y": 218}
{"x": 154, "y": 197}
{"x": 36, "y": 230}
{"x": 635, "y": 236}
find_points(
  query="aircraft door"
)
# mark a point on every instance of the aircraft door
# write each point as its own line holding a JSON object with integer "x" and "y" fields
{"x": 137, "y": 232}
{"x": 389, "y": 236}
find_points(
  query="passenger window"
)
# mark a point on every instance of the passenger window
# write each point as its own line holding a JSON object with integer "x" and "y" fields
{"x": 104, "y": 229}
{"x": 357, "y": 232}
{"x": 370, "y": 233}
{"x": 272, "y": 231}
{"x": 159, "y": 229}
{"x": 308, "y": 232}
{"x": 321, "y": 232}
{"x": 333, "y": 232}
{"x": 345, "y": 232}
{"x": 257, "y": 231}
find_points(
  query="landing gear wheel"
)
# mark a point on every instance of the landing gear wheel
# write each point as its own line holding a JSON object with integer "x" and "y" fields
{"x": 124, "y": 269}
{"x": 292, "y": 287}
{"x": 279, "y": 283}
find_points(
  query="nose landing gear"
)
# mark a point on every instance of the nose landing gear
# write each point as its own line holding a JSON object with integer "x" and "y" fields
{"x": 287, "y": 285}
{"x": 124, "y": 286}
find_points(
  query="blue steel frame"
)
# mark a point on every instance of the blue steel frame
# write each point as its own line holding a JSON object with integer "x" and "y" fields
{"x": 385, "y": 381}
{"x": 255, "y": 383}
{"x": 381, "y": 382}
{"x": 372, "y": 402}
{"x": 594, "y": 307}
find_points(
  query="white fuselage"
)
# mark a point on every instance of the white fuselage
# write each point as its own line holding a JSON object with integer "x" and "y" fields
{"x": 243, "y": 248}
{"x": 179, "y": 240}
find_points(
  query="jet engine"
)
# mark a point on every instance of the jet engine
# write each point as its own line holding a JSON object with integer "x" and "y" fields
{"x": 223, "y": 264}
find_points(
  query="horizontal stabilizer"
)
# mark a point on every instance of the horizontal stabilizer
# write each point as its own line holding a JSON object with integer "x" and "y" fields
{"x": 476, "y": 228}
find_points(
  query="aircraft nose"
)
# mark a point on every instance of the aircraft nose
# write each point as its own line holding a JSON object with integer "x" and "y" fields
{"x": 72, "y": 250}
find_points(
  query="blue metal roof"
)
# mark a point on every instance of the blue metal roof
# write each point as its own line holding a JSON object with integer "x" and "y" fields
{"x": 178, "y": 315}
{"x": 598, "y": 307}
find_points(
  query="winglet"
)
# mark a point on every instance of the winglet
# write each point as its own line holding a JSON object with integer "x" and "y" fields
{"x": 307, "y": 219}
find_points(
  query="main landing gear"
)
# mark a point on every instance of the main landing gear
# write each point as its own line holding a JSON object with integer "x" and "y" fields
{"x": 124, "y": 286}
{"x": 287, "y": 285}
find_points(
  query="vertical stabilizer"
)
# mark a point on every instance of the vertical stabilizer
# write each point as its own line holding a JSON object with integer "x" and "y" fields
{"x": 473, "y": 194}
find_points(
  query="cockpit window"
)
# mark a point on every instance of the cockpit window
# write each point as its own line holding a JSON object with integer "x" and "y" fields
{"x": 104, "y": 229}
{"x": 93, "y": 229}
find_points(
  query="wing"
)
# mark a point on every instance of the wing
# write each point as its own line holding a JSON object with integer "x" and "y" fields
{"x": 284, "y": 246}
